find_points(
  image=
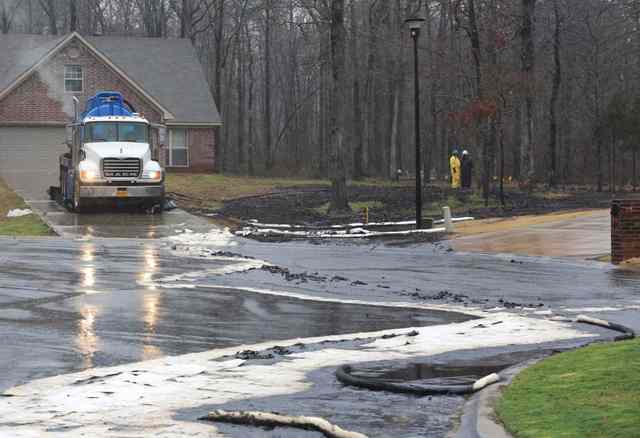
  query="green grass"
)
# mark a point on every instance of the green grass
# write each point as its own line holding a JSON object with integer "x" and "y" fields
{"x": 591, "y": 392}
{"x": 24, "y": 226}
{"x": 30, "y": 225}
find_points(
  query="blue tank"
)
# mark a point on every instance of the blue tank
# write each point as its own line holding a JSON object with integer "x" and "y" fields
{"x": 107, "y": 103}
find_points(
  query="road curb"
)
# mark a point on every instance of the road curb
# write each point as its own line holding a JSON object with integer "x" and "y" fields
{"x": 478, "y": 418}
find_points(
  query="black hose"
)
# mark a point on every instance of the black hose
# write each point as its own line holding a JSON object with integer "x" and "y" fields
{"x": 343, "y": 374}
{"x": 627, "y": 333}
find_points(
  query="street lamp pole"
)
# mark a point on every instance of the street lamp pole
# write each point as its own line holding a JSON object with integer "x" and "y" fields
{"x": 414, "y": 26}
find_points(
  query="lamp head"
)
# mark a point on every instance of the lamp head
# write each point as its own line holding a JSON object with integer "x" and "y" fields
{"x": 414, "y": 24}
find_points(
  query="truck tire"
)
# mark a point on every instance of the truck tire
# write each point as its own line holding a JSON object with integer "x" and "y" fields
{"x": 78, "y": 205}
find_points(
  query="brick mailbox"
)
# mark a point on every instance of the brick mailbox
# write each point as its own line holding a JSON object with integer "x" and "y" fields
{"x": 625, "y": 229}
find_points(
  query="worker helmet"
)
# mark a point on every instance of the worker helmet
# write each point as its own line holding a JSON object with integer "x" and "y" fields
{"x": 465, "y": 152}
{"x": 455, "y": 152}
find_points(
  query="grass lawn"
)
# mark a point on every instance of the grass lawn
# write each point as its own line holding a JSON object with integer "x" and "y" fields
{"x": 213, "y": 189}
{"x": 590, "y": 392}
{"x": 30, "y": 225}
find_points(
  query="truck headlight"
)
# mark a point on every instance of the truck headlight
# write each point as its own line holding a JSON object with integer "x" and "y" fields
{"x": 88, "y": 175}
{"x": 155, "y": 174}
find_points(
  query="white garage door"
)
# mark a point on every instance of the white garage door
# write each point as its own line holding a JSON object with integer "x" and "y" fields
{"x": 29, "y": 158}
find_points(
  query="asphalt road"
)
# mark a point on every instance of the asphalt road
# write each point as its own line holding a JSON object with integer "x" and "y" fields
{"x": 70, "y": 305}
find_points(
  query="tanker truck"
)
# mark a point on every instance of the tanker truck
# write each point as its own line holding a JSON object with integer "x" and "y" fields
{"x": 111, "y": 156}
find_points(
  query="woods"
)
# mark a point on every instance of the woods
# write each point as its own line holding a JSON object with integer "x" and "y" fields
{"x": 539, "y": 91}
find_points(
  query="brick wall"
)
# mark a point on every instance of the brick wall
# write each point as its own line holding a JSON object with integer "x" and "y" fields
{"x": 625, "y": 229}
{"x": 201, "y": 145}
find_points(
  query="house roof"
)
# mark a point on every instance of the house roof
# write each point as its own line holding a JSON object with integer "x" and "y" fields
{"x": 19, "y": 52}
{"x": 166, "y": 69}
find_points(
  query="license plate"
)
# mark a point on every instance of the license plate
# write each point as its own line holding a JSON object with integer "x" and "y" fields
{"x": 122, "y": 193}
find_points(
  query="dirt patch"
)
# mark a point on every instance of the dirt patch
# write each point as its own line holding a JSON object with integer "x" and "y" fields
{"x": 307, "y": 205}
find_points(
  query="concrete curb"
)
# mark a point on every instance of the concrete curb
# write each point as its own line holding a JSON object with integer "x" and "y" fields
{"x": 478, "y": 418}
{"x": 43, "y": 217}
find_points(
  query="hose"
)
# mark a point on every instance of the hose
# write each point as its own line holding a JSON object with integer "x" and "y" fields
{"x": 343, "y": 374}
{"x": 254, "y": 418}
{"x": 627, "y": 333}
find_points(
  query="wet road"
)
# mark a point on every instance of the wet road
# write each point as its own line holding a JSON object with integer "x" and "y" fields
{"x": 70, "y": 305}
{"x": 67, "y": 305}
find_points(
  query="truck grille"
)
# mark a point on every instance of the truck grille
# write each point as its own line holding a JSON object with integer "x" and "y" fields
{"x": 121, "y": 167}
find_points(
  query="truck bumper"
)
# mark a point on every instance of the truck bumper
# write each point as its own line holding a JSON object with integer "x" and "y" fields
{"x": 122, "y": 191}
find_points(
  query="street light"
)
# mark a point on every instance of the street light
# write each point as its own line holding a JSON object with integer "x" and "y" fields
{"x": 414, "y": 24}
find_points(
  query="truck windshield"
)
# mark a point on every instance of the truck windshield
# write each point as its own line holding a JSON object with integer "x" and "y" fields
{"x": 116, "y": 131}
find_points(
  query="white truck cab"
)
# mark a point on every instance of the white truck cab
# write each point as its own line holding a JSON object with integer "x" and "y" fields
{"x": 111, "y": 156}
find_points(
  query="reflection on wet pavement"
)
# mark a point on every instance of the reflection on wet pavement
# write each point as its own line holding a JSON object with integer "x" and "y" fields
{"x": 118, "y": 222}
{"x": 94, "y": 303}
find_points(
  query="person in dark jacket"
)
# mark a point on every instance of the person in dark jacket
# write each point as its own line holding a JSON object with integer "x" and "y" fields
{"x": 466, "y": 170}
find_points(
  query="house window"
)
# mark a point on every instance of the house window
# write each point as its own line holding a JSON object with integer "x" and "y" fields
{"x": 178, "y": 153}
{"x": 73, "y": 78}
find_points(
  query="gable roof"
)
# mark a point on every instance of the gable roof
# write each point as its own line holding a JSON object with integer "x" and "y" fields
{"x": 19, "y": 52}
{"x": 166, "y": 71}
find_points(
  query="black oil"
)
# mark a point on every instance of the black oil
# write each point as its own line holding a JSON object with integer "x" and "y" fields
{"x": 456, "y": 372}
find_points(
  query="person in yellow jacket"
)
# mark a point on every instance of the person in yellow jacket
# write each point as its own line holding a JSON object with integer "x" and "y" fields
{"x": 454, "y": 164}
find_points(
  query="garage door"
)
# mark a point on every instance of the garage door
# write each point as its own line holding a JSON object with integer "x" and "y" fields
{"x": 29, "y": 158}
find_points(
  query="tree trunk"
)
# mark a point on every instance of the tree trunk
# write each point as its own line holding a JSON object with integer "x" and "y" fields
{"x": 553, "y": 103}
{"x": 250, "y": 107}
{"x": 49, "y": 7}
{"x": 516, "y": 149}
{"x": 501, "y": 146}
{"x": 358, "y": 170}
{"x": 219, "y": 39}
{"x": 393, "y": 143}
{"x": 240, "y": 83}
{"x": 267, "y": 88}
{"x": 73, "y": 15}
{"x": 339, "y": 201}
{"x": 598, "y": 137}
{"x": 635, "y": 168}
{"x": 474, "y": 36}
{"x": 527, "y": 35}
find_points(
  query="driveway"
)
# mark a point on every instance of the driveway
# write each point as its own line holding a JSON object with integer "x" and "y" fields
{"x": 587, "y": 235}
{"x": 32, "y": 185}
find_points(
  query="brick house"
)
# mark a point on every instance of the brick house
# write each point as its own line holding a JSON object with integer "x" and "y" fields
{"x": 162, "y": 78}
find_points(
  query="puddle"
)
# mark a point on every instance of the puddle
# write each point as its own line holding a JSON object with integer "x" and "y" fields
{"x": 455, "y": 372}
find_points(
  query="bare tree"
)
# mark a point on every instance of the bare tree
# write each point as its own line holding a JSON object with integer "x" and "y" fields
{"x": 49, "y": 7}
{"x": 339, "y": 201}
{"x": 527, "y": 35}
{"x": 555, "y": 91}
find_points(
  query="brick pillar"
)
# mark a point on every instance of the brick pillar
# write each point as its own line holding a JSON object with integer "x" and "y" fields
{"x": 625, "y": 229}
